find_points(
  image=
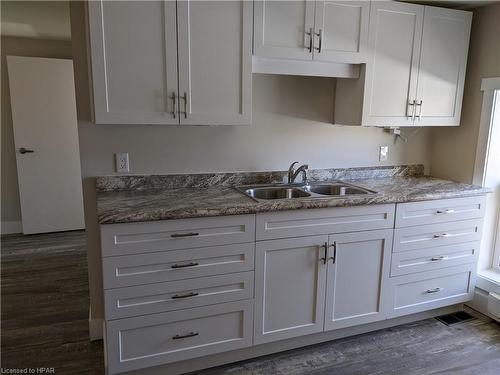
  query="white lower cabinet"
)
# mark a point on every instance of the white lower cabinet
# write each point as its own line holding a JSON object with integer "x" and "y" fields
{"x": 290, "y": 285}
{"x": 157, "y": 339}
{"x": 420, "y": 292}
{"x": 358, "y": 268}
{"x": 183, "y": 289}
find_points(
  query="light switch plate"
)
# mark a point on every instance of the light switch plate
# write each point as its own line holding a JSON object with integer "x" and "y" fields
{"x": 121, "y": 162}
{"x": 383, "y": 153}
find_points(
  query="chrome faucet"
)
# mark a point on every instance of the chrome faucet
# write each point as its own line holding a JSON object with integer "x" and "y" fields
{"x": 292, "y": 173}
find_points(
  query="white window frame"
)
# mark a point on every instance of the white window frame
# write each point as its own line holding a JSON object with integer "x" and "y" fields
{"x": 490, "y": 88}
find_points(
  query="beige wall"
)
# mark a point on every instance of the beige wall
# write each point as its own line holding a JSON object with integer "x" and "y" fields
{"x": 454, "y": 149}
{"x": 10, "y": 209}
{"x": 291, "y": 118}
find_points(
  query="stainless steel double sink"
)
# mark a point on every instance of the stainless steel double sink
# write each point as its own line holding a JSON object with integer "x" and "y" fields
{"x": 294, "y": 191}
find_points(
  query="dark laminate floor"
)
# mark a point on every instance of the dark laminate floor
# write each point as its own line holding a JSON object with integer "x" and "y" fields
{"x": 45, "y": 312}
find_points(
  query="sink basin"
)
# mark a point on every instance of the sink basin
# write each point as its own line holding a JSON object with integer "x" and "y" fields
{"x": 336, "y": 189}
{"x": 276, "y": 193}
{"x": 314, "y": 191}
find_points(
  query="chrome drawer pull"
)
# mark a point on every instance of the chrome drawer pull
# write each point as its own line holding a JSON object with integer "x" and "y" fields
{"x": 435, "y": 290}
{"x": 448, "y": 211}
{"x": 437, "y": 259}
{"x": 180, "y": 235}
{"x": 191, "y": 264}
{"x": 444, "y": 235}
{"x": 187, "y": 295}
{"x": 190, "y": 334}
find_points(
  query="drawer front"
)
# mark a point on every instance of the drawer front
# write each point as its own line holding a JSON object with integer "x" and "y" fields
{"x": 434, "y": 258}
{"x": 141, "y": 269}
{"x": 439, "y": 211}
{"x": 157, "y": 339}
{"x": 430, "y": 290}
{"x": 177, "y": 295}
{"x": 153, "y": 236}
{"x": 425, "y": 236}
{"x": 323, "y": 221}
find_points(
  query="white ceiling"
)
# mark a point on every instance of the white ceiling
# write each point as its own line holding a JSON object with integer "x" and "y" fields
{"x": 36, "y": 19}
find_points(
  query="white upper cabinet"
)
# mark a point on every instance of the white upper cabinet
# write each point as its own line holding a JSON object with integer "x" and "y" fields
{"x": 283, "y": 29}
{"x": 391, "y": 73}
{"x": 341, "y": 30}
{"x": 215, "y": 62}
{"x": 416, "y": 71}
{"x": 317, "y": 38}
{"x": 134, "y": 61}
{"x": 167, "y": 62}
{"x": 443, "y": 58}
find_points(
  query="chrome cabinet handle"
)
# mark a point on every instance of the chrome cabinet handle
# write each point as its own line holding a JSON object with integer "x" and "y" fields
{"x": 185, "y": 105}
{"x": 443, "y": 235}
{"x": 190, "y": 334}
{"x": 190, "y": 264}
{"x": 175, "y": 105}
{"x": 311, "y": 35}
{"x": 448, "y": 211}
{"x": 23, "y": 150}
{"x": 435, "y": 290}
{"x": 187, "y": 295}
{"x": 181, "y": 235}
{"x": 325, "y": 258}
{"x": 419, "y": 105}
{"x": 412, "y": 104}
{"x": 320, "y": 36}
{"x": 334, "y": 257}
{"x": 439, "y": 258}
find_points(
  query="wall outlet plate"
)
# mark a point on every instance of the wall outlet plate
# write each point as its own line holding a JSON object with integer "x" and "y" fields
{"x": 383, "y": 153}
{"x": 121, "y": 162}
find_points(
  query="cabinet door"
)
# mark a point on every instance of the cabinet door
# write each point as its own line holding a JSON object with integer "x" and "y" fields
{"x": 289, "y": 288}
{"x": 358, "y": 270}
{"x": 341, "y": 29}
{"x": 215, "y": 62}
{"x": 282, "y": 29}
{"x": 391, "y": 74}
{"x": 134, "y": 61}
{"x": 443, "y": 58}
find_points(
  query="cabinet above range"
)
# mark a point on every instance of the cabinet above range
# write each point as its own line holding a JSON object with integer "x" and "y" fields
{"x": 171, "y": 63}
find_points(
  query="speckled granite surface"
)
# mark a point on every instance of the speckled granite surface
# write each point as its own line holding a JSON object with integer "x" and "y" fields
{"x": 187, "y": 202}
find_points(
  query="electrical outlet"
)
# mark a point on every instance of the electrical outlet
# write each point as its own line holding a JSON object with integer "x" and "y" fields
{"x": 383, "y": 153}
{"x": 121, "y": 162}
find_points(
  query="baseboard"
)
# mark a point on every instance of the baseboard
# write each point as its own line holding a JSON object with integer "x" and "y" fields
{"x": 480, "y": 302}
{"x": 11, "y": 227}
{"x": 95, "y": 328}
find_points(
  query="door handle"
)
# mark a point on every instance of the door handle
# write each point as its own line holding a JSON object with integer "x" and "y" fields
{"x": 320, "y": 36}
{"x": 325, "y": 258}
{"x": 311, "y": 36}
{"x": 185, "y": 98}
{"x": 174, "y": 110}
{"x": 334, "y": 257}
{"x": 23, "y": 150}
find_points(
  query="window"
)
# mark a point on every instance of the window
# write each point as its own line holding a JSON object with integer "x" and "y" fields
{"x": 487, "y": 169}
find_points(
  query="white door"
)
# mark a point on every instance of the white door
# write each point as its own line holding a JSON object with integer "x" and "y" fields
{"x": 341, "y": 29}
{"x": 358, "y": 267}
{"x": 215, "y": 62}
{"x": 134, "y": 61}
{"x": 290, "y": 281}
{"x": 391, "y": 76}
{"x": 283, "y": 29}
{"x": 443, "y": 58}
{"x": 42, "y": 95}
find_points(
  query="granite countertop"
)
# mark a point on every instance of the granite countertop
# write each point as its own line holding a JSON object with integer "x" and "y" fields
{"x": 125, "y": 206}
